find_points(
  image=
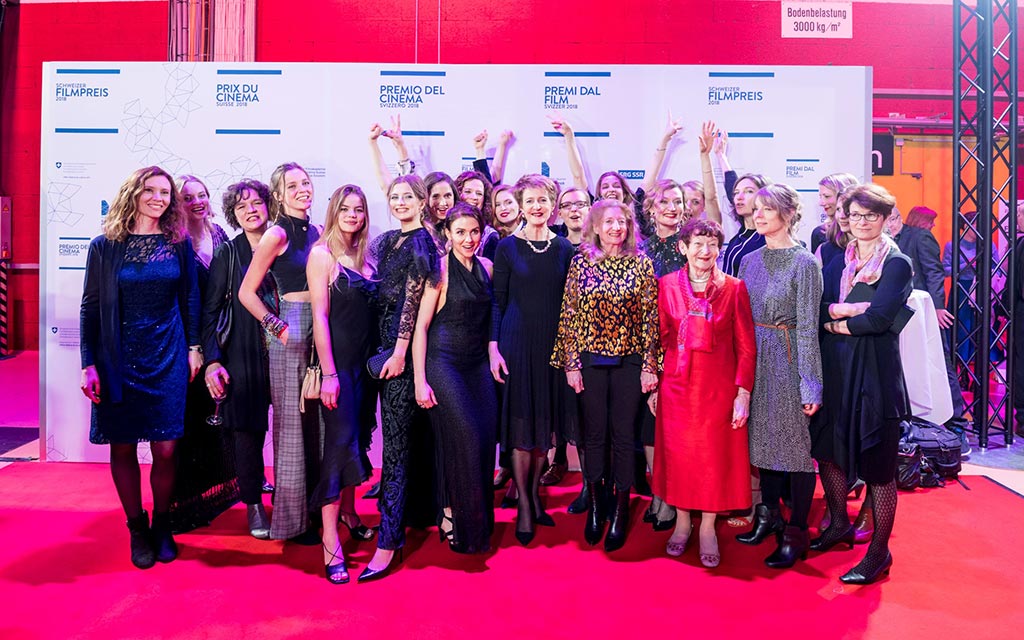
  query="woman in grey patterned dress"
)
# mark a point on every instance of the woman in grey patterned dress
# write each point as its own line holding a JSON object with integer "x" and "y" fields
{"x": 784, "y": 281}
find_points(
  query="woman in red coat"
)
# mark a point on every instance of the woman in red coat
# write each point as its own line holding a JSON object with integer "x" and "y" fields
{"x": 701, "y": 460}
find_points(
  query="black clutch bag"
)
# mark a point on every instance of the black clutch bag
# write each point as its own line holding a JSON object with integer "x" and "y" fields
{"x": 864, "y": 293}
{"x": 376, "y": 361}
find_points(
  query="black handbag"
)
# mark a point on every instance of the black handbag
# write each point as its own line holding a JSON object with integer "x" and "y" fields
{"x": 939, "y": 445}
{"x": 225, "y": 316}
{"x": 376, "y": 362}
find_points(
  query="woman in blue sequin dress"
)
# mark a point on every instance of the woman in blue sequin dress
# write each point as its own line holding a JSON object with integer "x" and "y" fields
{"x": 140, "y": 347}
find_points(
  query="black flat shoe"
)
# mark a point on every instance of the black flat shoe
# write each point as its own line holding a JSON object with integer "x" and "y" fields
{"x": 259, "y": 521}
{"x": 369, "y": 575}
{"x": 267, "y": 487}
{"x": 857, "y": 575}
{"x": 143, "y": 555}
{"x": 373, "y": 493}
{"x": 821, "y": 544}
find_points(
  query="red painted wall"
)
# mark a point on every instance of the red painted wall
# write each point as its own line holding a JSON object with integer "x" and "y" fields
{"x": 37, "y": 33}
{"x": 909, "y": 46}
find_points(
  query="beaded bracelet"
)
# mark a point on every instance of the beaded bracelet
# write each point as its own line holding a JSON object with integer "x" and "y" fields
{"x": 273, "y": 325}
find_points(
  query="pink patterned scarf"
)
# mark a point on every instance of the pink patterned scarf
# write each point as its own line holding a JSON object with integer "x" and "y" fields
{"x": 867, "y": 271}
{"x": 697, "y": 325}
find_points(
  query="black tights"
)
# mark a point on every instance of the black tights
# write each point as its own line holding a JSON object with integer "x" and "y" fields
{"x": 801, "y": 488}
{"x": 883, "y": 501}
{"x": 124, "y": 468}
{"x": 527, "y": 466}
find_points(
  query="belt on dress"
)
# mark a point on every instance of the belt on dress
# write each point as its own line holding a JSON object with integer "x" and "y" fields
{"x": 785, "y": 328}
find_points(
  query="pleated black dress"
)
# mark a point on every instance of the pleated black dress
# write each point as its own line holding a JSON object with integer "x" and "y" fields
{"x": 529, "y": 281}
{"x": 465, "y": 420}
{"x": 353, "y": 321}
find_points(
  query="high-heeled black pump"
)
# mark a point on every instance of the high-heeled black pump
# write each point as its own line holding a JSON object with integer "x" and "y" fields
{"x": 526, "y": 537}
{"x": 821, "y": 544}
{"x": 369, "y": 575}
{"x": 336, "y": 573}
{"x": 359, "y": 531}
{"x": 860, "y": 576}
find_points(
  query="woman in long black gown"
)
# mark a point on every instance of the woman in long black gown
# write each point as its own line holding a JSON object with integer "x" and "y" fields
{"x": 865, "y": 395}
{"x": 207, "y": 483}
{"x": 343, "y": 297}
{"x": 451, "y": 370}
{"x": 406, "y": 260}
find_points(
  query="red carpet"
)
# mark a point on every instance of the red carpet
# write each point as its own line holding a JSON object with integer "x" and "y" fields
{"x": 65, "y": 573}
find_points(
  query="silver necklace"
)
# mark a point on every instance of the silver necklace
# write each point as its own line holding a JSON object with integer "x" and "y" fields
{"x": 529, "y": 243}
{"x": 698, "y": 280}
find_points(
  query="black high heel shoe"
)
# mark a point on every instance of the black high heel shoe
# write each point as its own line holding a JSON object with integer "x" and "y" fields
{"x": 359, "y": 531}
{"x": 336, "y": 573}
{"x": 821, "y": 544}
{"x": 543, "y": 518}
{"x": 369, "y": 575}
{"x": 525, "y": 537}
{"x": 859, "y": 576}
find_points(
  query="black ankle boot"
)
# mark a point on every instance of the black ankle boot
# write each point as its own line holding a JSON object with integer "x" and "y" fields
{"x": 620, "y": 522}
{"x": 141, "y": 541}
{"x": 594, "y": 528}
{"x": 767, "y": 521}
{"x": 579, "y": 505}
{"x": 164, "y": 546}
{"x": 793, "y": 547}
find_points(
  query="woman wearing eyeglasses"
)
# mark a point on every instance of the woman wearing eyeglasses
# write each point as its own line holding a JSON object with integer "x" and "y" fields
{"x": 865, "y": 394}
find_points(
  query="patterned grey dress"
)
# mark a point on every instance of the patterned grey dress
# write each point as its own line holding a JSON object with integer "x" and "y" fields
{"x": 785, "y": 291}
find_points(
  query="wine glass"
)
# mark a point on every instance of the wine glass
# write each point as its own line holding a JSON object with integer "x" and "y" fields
{"x": 215, "y": 419}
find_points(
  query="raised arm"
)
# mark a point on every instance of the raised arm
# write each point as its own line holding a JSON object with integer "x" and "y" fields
{"x": 501, "y": 156}
{"x": 380, "y": 168}
{"x": 273, "y": 243}
{"x": 721, "y": 151}
{"x": 579, "y": 176}
{"x": 658, "y": 159}
{"x": 706, "y": 140}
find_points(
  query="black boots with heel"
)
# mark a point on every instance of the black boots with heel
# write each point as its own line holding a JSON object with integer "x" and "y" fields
{"x": 767, "y": 521}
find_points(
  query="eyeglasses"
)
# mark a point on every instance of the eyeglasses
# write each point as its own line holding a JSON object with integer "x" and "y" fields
{"x": 870, "y": 217}
{"x": 579, "y": 204}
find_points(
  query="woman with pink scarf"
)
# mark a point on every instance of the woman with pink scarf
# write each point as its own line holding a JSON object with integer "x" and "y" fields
{"x": 701, "y": 457}
{"x": 857, "y": 431}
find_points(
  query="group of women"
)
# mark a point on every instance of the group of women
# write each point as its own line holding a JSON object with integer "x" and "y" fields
{"x": 515, "y": 314}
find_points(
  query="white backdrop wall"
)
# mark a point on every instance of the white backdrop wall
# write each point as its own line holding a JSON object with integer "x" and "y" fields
{"x": 223, "y": 122}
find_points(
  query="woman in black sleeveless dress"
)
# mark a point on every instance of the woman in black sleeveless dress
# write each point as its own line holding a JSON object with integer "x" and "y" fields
{"x": 343, "y": 299}
{"x": 453, "y": 380}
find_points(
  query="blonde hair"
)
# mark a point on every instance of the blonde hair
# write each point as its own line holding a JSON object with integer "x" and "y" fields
{"x": 838, "y": 181}
{"x": 124, "y": 211}
{"x": 591, "y": 246}
{"x": 659, "y": 189}
{"x": 536, "y": 181}
{"x": 785, "y": 200}
{"x": 332, "y": 238}
{"x": 277, "y": 186}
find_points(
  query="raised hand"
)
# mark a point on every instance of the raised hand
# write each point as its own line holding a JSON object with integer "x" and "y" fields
{"x": 561, "y": 125}
{"x": 507, "y": 137}
{"x": 480, "y": 141}
{"x": 708, "y": 136}
{"x": 671, "y": 129}
{"x": 395, "y": 132}
{"x": 376, "y": 131}
{"x": 721, "y": 145}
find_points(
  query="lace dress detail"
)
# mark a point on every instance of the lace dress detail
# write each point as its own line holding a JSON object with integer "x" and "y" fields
{"x": 154, "y": 351}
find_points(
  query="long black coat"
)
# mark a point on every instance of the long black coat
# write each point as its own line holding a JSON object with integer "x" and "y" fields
{"x": 245, "y": 354}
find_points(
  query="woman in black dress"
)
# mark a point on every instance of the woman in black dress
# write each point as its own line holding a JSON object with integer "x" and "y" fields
{"x": 865, "y": 393}
{"x": 344, "y": 326}
{"x": 282, "y": 252}
{"x": 407, "y": 261}
{"x": 529, "y": 278}
{"x": 453, "y": 381}
{"x": 140, "y": 347}
{"x": 747, "y": 239}
{"x": 207, "y": 483}
{"x": 236, "y": 371}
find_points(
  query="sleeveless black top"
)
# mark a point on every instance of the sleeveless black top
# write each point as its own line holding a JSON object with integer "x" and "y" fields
{"x": 289, "y": 268}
